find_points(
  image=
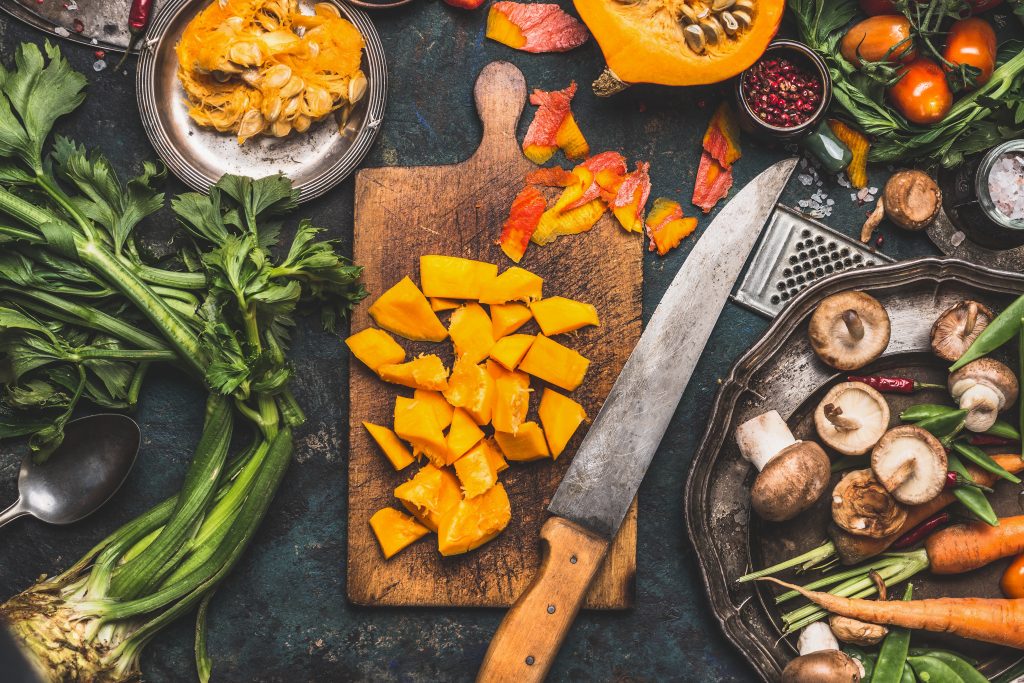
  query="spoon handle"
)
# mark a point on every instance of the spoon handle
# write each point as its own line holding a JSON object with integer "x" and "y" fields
{"x": 12, "y": 513}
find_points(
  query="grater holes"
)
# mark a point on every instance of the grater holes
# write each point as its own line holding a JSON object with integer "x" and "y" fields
{"x": 775, "y": 299}
{"x": 793, "y": 259}
{"x": 797, "y": 270}
{"x": 794, "y": 292}
{"x": 819, "y": 239}
{"x": 805, "y": 233}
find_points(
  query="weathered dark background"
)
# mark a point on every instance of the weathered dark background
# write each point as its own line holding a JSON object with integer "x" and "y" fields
{"x": 282, "y": 615}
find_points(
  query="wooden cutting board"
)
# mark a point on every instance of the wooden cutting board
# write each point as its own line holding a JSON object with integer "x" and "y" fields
{"x": 458, "y": 210}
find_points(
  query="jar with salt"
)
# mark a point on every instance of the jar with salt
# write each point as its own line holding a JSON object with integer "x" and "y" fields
{"x": 984, "y": 196}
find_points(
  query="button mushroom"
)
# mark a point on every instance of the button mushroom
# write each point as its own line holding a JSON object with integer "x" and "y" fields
{"x": 856, "y": 632}
{"x": 957, "y": 328}
{"x": 792, "y": 474}
{"x": 849, "y": 330}
{"x": 821, "y": 660}
{"x": 863, "y": 507}
{"x": 983, "y": 387}
{"x": 910, "y": 463}
{"x": 852, "y": 418}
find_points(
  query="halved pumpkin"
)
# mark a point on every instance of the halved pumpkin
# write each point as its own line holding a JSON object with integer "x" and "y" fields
{"x": 646, "y": 41}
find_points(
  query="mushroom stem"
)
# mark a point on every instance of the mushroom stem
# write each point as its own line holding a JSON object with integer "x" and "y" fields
{"x": 853, "y": 324}
{"x": 815, "y": 638}
{"x": 899, "y": 475}
{"x": 873, "y": 220}
{"x": 834, "y": 414}
{"x": 763, "y": 437}
{"x": 982, "y": 405}
{"x": 972, "y": 319}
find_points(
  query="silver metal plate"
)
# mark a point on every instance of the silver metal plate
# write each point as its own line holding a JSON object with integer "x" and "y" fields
{"x": 316, "y": 160}
{"x": 103, "y": 23}
{"x": 796, "y": 251}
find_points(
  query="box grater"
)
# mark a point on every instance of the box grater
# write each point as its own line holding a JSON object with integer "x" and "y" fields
{"x": 795, "y": 251}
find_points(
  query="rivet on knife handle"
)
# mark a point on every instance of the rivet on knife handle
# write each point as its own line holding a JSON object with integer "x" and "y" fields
{"x": 525, "y": 645}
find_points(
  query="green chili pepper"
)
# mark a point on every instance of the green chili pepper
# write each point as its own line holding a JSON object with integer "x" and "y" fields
{"x": 1004, "y": 429}
{"x": 932, "y": 670}
{"x": 971, "y": 497}
{"x": 961, "y": 666}
{"x": 892, "y": 656}
{"x": 983, "y": 460}
{"x": 923, "y": 411}
{"x": 945, "y": 426}
{"x": 866, "y": 660}
{"x": 998, "y": 332}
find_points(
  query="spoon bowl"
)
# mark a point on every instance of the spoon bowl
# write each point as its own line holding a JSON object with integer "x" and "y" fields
{"x": 82, "y": 474}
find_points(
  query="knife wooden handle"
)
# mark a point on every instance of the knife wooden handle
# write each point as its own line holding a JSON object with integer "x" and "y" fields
{"x": 524, "y": 647}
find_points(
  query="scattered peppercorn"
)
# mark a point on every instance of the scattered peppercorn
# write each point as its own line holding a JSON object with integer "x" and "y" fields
{"x": 78, "y": 26}
{"x": 782, "y": 93}
{"x": 879, "y": 241}
{"x": 99, "y": 54}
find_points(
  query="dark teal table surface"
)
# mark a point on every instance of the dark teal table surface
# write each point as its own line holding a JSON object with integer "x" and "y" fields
{"x": 282, "y": 615}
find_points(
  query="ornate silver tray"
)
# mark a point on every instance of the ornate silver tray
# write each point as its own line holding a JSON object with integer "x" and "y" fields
{"x": 781, "y": 372}
{"x": 316, "y": 160}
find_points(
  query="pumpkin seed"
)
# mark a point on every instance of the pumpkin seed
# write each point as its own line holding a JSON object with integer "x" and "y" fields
{"x": 252, "y": 124}
{"x": 357, "y": 88}
{"x": 722, "y": 5}
{"x": 280, "y": 128}
{"x": 246, "y": 54}
{"x": 747, "y": 5}
{"x": 713, "y": 31}
{"x": 695, "y": 38}
{"x": 301, "y": 123}
{"x": 271, "y": 109}
{"x": 292, "y": 87}
{"x": 742, "y": 18}
{"x": 276, "y": 76}
{"x": 729, "y": 23}
{"x": 702, "y": 11}
{"x": 687, "y": 14}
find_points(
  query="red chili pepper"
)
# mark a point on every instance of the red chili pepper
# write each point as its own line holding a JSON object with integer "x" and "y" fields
{"x": 893, "y": 385}
{"x": 990, "y": 440}
{"x": 922, "y": 530}
{"x": 138, "y": 19}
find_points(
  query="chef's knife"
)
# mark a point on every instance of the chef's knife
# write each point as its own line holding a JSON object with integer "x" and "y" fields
{"x": 605, "y": 474}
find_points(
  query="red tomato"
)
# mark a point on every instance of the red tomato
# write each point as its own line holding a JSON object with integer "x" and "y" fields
{"x": 922, "y": 94}
{"x": 1012, "y": 582}
{"x": 972, "y": 42}
{"x": 885, "y": 37}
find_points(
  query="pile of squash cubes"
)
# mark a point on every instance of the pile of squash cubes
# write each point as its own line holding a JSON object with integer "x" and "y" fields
{"x": 469, "y": 423}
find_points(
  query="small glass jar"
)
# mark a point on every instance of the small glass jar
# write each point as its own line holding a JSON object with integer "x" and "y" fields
{"x": 968, "y": 199}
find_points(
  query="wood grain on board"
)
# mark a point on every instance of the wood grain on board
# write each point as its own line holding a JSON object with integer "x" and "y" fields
{"x": 458, "y": 210}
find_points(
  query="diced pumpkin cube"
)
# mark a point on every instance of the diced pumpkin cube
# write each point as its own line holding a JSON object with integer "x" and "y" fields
{"x": 525, "y": 445}
{"x": 509, "y": 351}
{"x": 489, "y": 447}
{"x": 463, "y": 435}
{"x": 441, "y": 407}
{"x": 470, "y": 387}
{"x": 430, "y": 494}
{"x": 507, "y": 318}
{"x": 511, "y": 398}
{"x": 452, "y": 277}
{"x": 437, "y": 304}
{"x": 425, "y": 372}
{"x": 405, "y": 311}
{"x": 560, "y": 416}
{"x": 476, "y": 472}
{"x": 556, "y": 364}
{"x": 416, "y": 423}
{"x": 393, "y": 448}
{"x": 395, "y": 531}
{"x": 474, "y": 521}
{"x": 515, "y": 284}
{"x": 471, "y": 332}
{"x": 375, "y": 348}
{"x": 557, "y": 314}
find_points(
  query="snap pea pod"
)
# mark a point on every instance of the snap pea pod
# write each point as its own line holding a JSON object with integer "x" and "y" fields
{"x": 1004, "y": 429}
{"x": 984, "y": 461}
{"x": 961, "y": 666}
{"x": 923, "y": 651}
{"x": 892, "y": 656}
{"x": 908, "y": 675}
{"x": 867, "y": 660}
{"x": 999, "y": 331}
{"x": 932, "y": 670}
{"x": 924, "y": 411}
{"x": 971, "y": 497}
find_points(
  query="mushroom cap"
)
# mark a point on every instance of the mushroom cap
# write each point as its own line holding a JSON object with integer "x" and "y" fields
{"x": 859, "y": 402}
{"x": 988, "y": 372}
{"x": 910, "y": 463}
{"x": 950, "y": 338}
{"x": 855, "y": 631}
{"x": 824, "y": 666}
{"x": 831, "y": 338}
{"x": 791, "y": 482}
{"x": 912, "y": 199}
{"x": 862, "y": 506}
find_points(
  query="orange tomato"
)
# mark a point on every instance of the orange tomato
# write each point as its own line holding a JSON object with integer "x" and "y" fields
{"x": 922, "y": 94}
{"x": 881, "y": 38}
{"x": 972, "y": 42}
{"x": 1012, "y": 582}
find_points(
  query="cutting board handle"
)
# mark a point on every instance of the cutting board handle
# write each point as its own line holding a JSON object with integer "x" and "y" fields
{"x": 500, "y": 95}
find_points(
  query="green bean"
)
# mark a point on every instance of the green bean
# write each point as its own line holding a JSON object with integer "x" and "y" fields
{"x": 972, "y": 497}
{"x": 984, "y": 460}
{"x": 923, "y": 411}
{"x": 932, "y": 670}
{"x": 998, "y": 332}
{"x": 961, "y": 666}
{"x": 892, "y": 657}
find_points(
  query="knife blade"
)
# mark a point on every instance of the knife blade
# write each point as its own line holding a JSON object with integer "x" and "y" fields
{"x": 606, "y": 472}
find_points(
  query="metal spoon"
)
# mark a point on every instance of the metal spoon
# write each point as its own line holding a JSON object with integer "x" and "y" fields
{"x": 81, "y": 475}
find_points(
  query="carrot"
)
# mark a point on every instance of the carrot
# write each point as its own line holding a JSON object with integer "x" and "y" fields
{"x": 992, "y": 620}
{"x": 853, "y": 549}
{"x": 963, "y": 547}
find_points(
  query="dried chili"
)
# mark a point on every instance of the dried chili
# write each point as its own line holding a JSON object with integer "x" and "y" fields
{"x": 893, "y": 385}
{"x": 139, "y": 15}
